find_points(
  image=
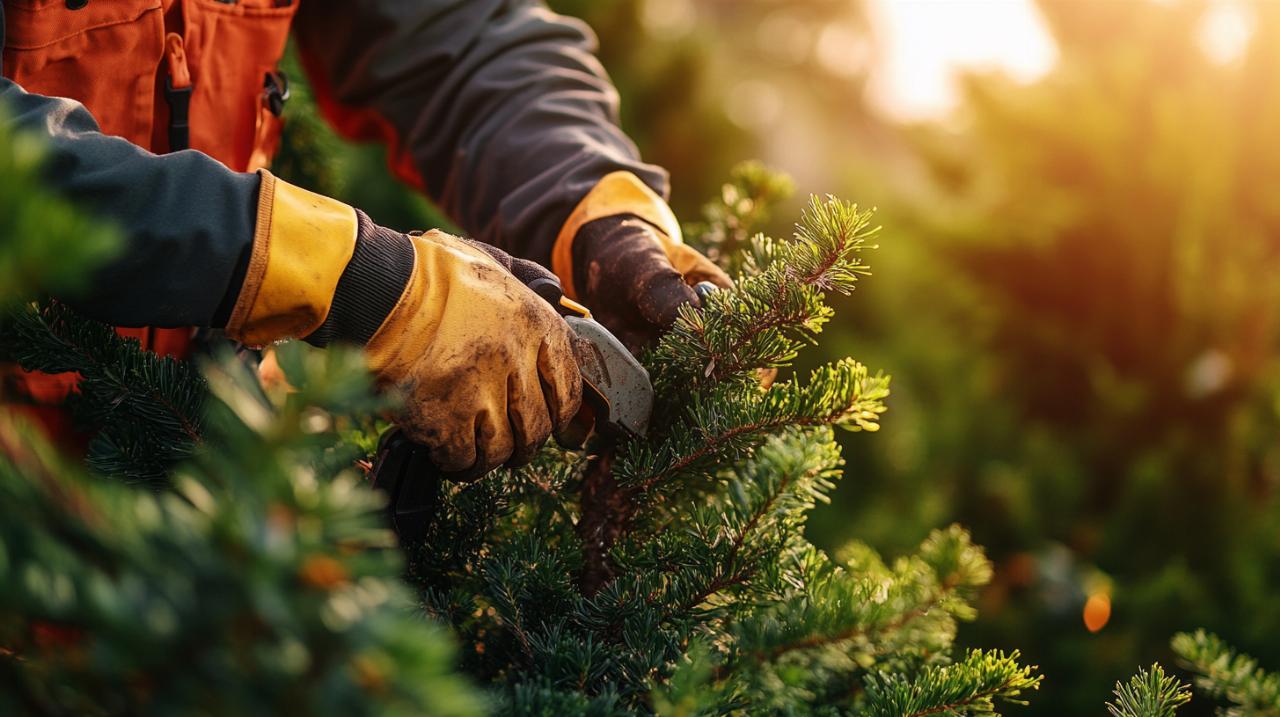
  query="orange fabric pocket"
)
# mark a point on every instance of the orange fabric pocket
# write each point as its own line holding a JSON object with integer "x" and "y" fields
{"x": 104, "y": 55}
{"x": 231, "y": 49}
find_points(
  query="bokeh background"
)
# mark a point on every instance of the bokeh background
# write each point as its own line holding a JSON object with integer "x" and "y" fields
{"x": 1077, "y": 290}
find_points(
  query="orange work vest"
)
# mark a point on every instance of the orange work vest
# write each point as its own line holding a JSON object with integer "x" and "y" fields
{"x": 165, "y": 75}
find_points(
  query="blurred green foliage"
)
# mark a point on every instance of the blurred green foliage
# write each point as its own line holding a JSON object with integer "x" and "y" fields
{"x": 263, "y": 583}
{"x": 75, "y": 244}
{"x": 1082, "y": 324}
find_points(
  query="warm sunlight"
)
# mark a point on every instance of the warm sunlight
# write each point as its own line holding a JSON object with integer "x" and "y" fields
{"x": 926, "y": 41}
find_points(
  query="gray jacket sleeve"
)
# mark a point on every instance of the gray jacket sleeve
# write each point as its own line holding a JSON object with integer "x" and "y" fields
{"x": 186, "y": 218}
{"x": 497, "y": 109}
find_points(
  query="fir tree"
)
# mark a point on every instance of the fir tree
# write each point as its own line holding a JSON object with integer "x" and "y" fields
{"x": 671, "y": 573}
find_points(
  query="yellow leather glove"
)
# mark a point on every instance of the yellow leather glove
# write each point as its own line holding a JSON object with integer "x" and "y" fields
{"x": 485, "y": 365}
{"x": 621, "y": 254}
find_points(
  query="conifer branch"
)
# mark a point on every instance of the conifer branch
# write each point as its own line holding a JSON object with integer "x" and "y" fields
{"x": 764, "y": 320}
{"x": 1150, "y": 693}
{"x": 969, "y": 687}
{"x": 1226, "y": 674}
{"x": 147, "y": 409}
{"x": 718, "y": 428}
{"x": 766, "y": 485}
{"x": 965, "y": 702}
{"x": 816, "y": 641}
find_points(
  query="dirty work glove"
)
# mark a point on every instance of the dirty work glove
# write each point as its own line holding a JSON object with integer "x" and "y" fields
{"x": 621, "y": 254}
{"x": 485, "y": 365}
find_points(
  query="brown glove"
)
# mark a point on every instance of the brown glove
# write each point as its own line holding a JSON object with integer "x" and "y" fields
{"x": 629, "y": 282}
{"x": 621, "y": 254}
{"x": 485, "y": 365}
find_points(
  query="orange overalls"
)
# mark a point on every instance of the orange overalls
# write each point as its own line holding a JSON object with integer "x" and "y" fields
{"x": 165, "y": 75}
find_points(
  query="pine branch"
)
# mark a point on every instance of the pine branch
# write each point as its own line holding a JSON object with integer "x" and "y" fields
{"x": 877, "y": 626}
{"x": 147, "y": 409}
{"x": 970, "y": 687}
{"x": 1225, "y": 674}
{"x": 764, "y": 320}
{"x": 1150, "y": 693}
{"x": 725, "y": 424}
{"x": 880, "y": 614}
{"x": 771, "y": 494}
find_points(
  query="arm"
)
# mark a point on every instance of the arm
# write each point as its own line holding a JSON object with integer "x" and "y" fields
{"x": 188, "y": 221}
{"x": 271, "y": 261}
{"x": 497, "y": 109}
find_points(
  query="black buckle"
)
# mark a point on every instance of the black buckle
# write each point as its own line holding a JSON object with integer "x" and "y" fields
{"x": 179, "y": 100}
{"x": 275, "y": 92}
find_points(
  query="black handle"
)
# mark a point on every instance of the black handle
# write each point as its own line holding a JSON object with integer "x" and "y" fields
{"x": 403, "y": 470}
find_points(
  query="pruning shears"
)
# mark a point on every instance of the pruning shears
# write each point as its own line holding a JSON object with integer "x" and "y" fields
{"x": 617, "y": 401}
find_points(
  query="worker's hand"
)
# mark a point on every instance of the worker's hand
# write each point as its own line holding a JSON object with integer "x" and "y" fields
{"x": 485, "y": 365}
{"x": 634, "y": 282}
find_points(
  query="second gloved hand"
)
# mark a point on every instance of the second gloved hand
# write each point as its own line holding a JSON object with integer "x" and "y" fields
{"x": 634, "y": 283}
{"x": 620, "y": 252}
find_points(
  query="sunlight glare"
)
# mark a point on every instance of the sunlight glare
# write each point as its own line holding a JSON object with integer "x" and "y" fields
{"x": 1225, "y": 31}
{"x": 927, "y": 41}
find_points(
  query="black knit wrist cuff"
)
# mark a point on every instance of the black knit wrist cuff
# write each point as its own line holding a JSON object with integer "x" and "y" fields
{"x": 369, "y": 287}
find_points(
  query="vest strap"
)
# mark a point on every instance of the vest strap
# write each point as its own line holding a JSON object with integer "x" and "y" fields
{"x": 177, "y": 93}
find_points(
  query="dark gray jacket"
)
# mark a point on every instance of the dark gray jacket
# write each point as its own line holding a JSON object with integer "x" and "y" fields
{"x": 498, "y": 107}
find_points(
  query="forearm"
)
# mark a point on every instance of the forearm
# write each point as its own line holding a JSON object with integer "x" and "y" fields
{"x": 187, "y": 220}
{"x": 496, "y": 108}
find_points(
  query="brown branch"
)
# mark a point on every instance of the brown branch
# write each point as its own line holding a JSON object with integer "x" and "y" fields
{"x": 606, "y": 511}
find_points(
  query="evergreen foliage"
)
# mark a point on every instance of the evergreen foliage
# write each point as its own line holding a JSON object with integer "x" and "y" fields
{"x": 1083, "y": 333}
{"x": 145, "y": 413}
{"x": 263, "y": 583}
{"x": 668, "y": 575}
{"x": 1150, "y": 693}
{"x": 671, "y": 574}
{"x": 1224, "y": 674}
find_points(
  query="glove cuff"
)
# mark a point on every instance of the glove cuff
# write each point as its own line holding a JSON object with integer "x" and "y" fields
{"x": 301, "y": 246}
{"x": 616, "y": 194}
{"x": 370, "y": 286}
